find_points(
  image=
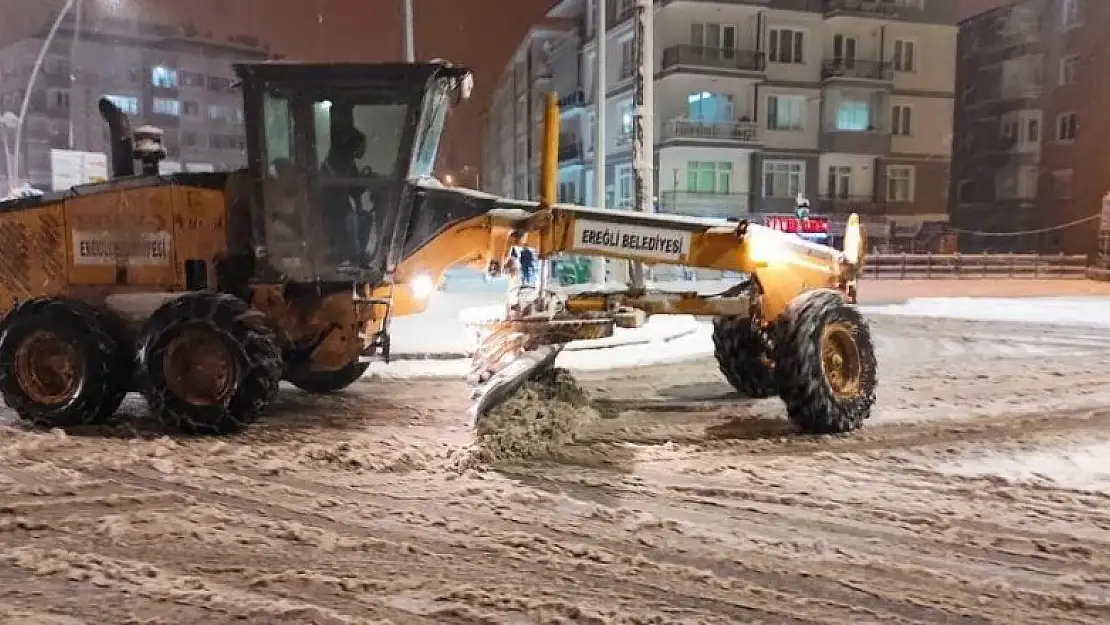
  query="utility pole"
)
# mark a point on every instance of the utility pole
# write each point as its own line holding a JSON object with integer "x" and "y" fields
{"x": 410, "y": 47}
{"x": 643, "y": 100}
{"x": 597, "y": 265}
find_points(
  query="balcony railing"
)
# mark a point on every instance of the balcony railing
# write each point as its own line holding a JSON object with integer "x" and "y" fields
{"x": 573, "y": 99}
{"x": 720, "y": 205}
{"x": 857, "y": 68}
{"x": 569, "y": 151}
{"x": 746, "y": 132}
{"x": 838, "y": 204}
{"x": 715, "y": 58}
{"x": 876, "y": 142}
{"x": 873, "y": 8}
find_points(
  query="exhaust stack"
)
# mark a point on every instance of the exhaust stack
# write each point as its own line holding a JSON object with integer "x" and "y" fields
{"x": 121, "y": 142}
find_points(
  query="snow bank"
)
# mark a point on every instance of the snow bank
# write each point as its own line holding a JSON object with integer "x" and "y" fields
{"x": 1073, "y": 311}
{"x": 1081, "y": 467}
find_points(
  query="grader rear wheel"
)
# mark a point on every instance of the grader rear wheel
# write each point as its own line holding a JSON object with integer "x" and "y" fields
{"x": 207, "y": 364}
{"x": 62, "y": 362}
{"x": 826, "y": 367}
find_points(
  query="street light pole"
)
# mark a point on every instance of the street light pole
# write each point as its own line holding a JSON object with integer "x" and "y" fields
{"x": 31, "y": 81}
{"x": 410, "y": 47}
{"x": 77, "y": 9}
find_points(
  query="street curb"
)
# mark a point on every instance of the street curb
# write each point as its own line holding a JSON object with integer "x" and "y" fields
{"x": 405, "y": 356}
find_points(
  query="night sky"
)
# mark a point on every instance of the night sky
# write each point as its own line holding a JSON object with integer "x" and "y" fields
{"x": 477, "y": 33}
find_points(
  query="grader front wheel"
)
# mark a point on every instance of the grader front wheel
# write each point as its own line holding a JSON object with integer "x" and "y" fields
{"x": 207, "y": 364}
{"x": 826, "y": 366}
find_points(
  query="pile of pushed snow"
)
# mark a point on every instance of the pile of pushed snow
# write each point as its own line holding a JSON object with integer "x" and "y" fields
{"x": 546, "y": 413}
{"x": 23, "y": 191}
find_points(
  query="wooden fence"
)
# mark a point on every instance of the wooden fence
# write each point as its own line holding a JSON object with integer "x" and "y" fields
{"x": 942, "y": 267}
{"x": 973, "y": 266}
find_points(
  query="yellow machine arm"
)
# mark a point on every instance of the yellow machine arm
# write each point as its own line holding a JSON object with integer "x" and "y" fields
{"x": 780, "y": 266}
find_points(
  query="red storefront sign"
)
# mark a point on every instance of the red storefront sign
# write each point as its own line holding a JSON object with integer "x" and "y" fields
{"x": 815, "y": 226}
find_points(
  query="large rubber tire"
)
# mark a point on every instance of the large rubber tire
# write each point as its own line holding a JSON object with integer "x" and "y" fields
{"x": 742, "y": 358}
{"x": 320, "y": 382}
{"x": 813, "y": 321}
{"x": 235, "y": 337}
{"x": 100, "y": 356}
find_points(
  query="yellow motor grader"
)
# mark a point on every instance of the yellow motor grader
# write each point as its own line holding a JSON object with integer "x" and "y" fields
{"x": 202, "y": 291}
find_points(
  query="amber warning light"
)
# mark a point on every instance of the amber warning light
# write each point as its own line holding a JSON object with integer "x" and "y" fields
{"x": 814, "y": 227}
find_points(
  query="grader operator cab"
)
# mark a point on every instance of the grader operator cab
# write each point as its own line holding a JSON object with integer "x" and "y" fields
{"x": 202, "y": 291}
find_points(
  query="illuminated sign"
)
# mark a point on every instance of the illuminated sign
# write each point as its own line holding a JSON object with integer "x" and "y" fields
{"x": 814, "y": 227}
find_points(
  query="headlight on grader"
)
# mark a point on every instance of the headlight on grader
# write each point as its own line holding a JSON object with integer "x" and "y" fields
{"x": 422, "y": 287}
{"x": 767, "y": 248}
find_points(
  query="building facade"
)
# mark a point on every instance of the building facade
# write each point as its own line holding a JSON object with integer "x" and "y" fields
{"x": 514, "y": 130}
{"x": 849, "y": 102}
{"x": 1030, "y": 114}
{"x": 174, "y": 78}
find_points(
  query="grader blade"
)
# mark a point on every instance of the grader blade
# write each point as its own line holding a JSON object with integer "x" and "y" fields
{"x": 501, "y": 385}
{"x": 513, "y": 351}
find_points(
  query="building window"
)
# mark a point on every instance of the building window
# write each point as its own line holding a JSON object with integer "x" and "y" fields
{"x": 1033, "y": 130}
{"x": 1061, "y": 184}
{"x": 709, "y": 107}
{"x": 1066, "y": 127}
{"x": 853, "y": 115}
{"x": 839, "y": 183}
{"x": 568, "y": 192}
{"x": 902, "y": 117}
{"x": 126, "y": 104}
{"x": 190, "y": 139}
{"x": 965, "y": 191}
{"x": 783, "y": 178}
{"x": 192, "y": 79}
{"x": 899, "y": 183}
{"x": 163, "y": 77}
{"x": 1070, "y": 16}
{"x": 166, "y": 106}
{"x": 785, "y": 112}
{"x": 624, "y": 114}
{"x": 625, "y": 183}
{"x": 708, "y": 177}
{"x": 905, "y": 53}
{"x": 1067, "y": 69}
{"x": 190, "y": 109}
{"x": 786, "y": 46}
{"x": 227, "y": 142}
{"x": 713, "y": 36}
{"x": 628, "y": 58}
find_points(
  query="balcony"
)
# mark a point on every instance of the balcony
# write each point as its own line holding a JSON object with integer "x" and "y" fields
{"x": 751, "y": 61}
{"x": 720, "y": 205}
{"x": 872, "y": 142}
{"x": 573, "y": 100}
{"x": 857, "y": 69}
{"x": 695, "y": 130}
{"x": 848, "y": 204}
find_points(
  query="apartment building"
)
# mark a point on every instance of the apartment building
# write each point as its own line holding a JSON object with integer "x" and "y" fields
{"x": 1030, "y": 115}
{"x": 847, "y": 101}
{"x": 514, "y": 131}
{"x": 176, "y": 78}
